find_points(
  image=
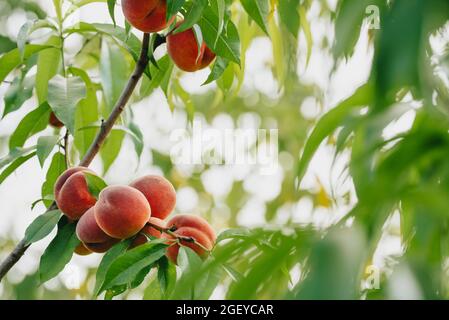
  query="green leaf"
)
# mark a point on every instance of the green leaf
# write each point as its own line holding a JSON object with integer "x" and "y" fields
{"x": 42, "y": 226}
{"x": 238, "y": 233}
{"x": 125, "y": 268}
{"x": 258, "y": 10}
{"x": 32, "y": 123}
{"x": 115, "y": 291}
{"x": 58, "y": 8}
{"x": 48, "y": 65}
{"x": 189, "y": 263}
{"x": 94, "y": 183}
{"x": 18, "y": 92}
{"x": 28, "y": 28}
{"x": 56, "y": 168}
{"x": 207, "y": 283}
{"x": 22, "y": 37}
{"x": 219, "y": 7}
{"x": 86, "y": 112}
{"x": 64, "y": 94}
{"x": 137, "y": 138}
{"x": 228, "y": 43}
{"x": 111, "y": 7}
{"x": 289, "y": 15}
{"x": 14, "y": 154}
{"x": 193, "y": 16}
{"x": 348, "y": 24}
{"x": 6, "y": 44}
{"x": 329, "y": 123}
{"x": 113, "y": 72}
{"x": 127, "y": 40}
{"x": 11, "y": 60}
{"x": 166, "y": 275}
{"x": 140, "y": 277}
{"x": 173, "y": 7}
{"x": 59, "y": 252}
{"x": 111, "y": 149}
{"x": 218, "y": 68}
{"x": 161, "y": 77}
{"x": 199, "y": 39}
{"x": 14, "y": 165}
{"x": 307, "y": 32}
{"x": 45, "y": 145}
{"x": 110, "y": 256}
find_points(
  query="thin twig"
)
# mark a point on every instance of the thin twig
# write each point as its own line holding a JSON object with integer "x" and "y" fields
{"x": 105, "y": 129}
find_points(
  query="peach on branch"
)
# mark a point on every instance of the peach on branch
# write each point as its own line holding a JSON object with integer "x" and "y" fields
{"x": 193, "y": 231}
{"x": 121, "y": 211}
{"x": 82, "y": 250}
{"x": 183, "y": 50}
{"x": 146, "y": 15}
{"x": 54, "y": 121}
{"x": 159, "y": 192}
{"x": 149, "y": 230}
{"x": 91, "y": 235}
{"x": 72, "y": 194}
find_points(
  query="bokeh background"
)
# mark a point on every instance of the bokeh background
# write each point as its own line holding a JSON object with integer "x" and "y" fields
{"x": 285, "y": 83}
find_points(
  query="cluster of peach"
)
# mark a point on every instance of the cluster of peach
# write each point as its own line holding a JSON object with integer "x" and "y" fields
{"x": 122, "y": 212}
{"x": 150, "y": 16}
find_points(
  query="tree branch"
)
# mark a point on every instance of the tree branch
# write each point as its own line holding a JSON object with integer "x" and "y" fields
{"x": 105, "y": 129}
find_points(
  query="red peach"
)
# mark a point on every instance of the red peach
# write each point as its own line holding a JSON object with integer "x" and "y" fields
{"x": 183, "y": 50}
{"x": 101, "y": 247}
{"x": 146, "y": 15}
{"x": 149, "y": 231}
{"x": 82, "y": 250}
{"x": 72, "y": 194}
{"x": 159, "y": 192}
{"x": 194, "y": 227}
{"x": 121, "y": 211}
{"x": 88, "y": 231}
{"x": 54, "y": 121}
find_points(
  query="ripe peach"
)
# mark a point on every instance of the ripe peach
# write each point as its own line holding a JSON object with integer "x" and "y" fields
{"x": 159, "y": 192}
{"x": 88, "y": 230}
{"x": 121, "y": 211}
{"x": 54, "y": 121}
{"x": 91, "y": 235}
{"x": 183, "y": 50}
{"x": 146, "y": 15}
{"x": 150, "y": 231}
{"x": 72, "y": 194}
{"x": 194, "y": 227}
{"x": 82, "y": 250}
{"x": 101, "y": 247}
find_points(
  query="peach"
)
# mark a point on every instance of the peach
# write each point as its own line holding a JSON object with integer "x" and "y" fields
{"x": 183, "y": 50}
{"x": 194, "y": 227}
{"x": 54, "y": 121}
{"x": 146, "y": 15}
{"x": 88, "y": 231}
{"x": 121, "y": 211}
{"x": 72, "y": 194}
{"x": 159, "y": 192}
{"x": 101, "y": 247}
{"x": 82, "y": 250}
{"x": 149, "y": 231}
{"x": 91, "y": 235}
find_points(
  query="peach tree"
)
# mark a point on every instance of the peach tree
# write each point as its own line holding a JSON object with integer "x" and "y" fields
{"x": 83, "y": 110}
